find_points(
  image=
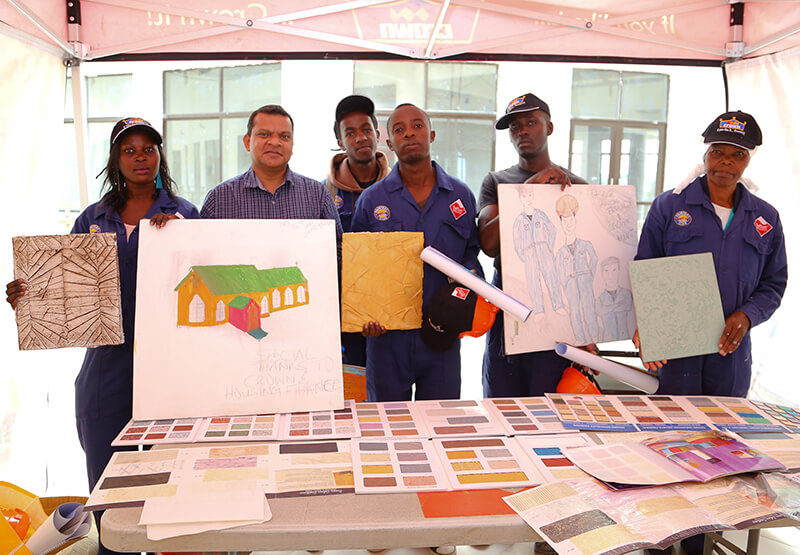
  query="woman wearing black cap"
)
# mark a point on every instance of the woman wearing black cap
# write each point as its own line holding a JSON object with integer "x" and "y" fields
{"x": 138, "y": 185}
{"x": 717, "y": 213}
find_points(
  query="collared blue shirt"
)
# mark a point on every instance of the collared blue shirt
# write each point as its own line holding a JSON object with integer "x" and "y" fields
{"x": 749, "y": 256}
{"x": 299, "y": 197}
{"x": 447, "y": 220}
{"x": 104, "y": 384}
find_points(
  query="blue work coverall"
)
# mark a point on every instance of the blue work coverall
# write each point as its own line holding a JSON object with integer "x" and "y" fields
{"x": 614, "y": 308}
{"x": 399, "y": 358}
{"x": 534, "y": 236}
{"x": 104, "y": 386}
{"x": 576, "y": 265}
{"x": 750, "y": 262}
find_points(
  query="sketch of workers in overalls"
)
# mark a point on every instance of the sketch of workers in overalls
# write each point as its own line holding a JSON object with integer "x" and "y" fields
{"x": 576, "y": 262}
{"x": 534, "y": 236}
{"x": 615, "y": 303}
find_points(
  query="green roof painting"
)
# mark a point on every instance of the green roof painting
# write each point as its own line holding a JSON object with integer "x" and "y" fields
{"x": 244, "y": 278}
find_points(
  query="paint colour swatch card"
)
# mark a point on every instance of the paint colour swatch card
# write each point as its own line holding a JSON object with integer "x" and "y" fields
{"x": 730, "y": 413}
{"x": 398, "y": 465}
{"x": 545, "y": 453}
{"x": 583, "y": 518}
{"x": 324, "y": 424}
{"x": 458, "y": 418}
{"x": 671, "y": 457}
{"x": 300, "y": 469}
{"x": 488, "y": 462}
{"x": 782, "y": 414}
{"x": 591, "y": 412}
{"x": 783, "y": 447}
{"x": 525, "y": 416}
{"x": 394, "y": 419}
{"x": 678, "y": 307}
{"x": 659, "y": 413}
{"x": 153, "y": 432}
{"x": 256, "y": 427}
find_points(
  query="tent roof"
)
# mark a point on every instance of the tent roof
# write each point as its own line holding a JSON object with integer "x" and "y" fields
{"x": 425, "y": 29}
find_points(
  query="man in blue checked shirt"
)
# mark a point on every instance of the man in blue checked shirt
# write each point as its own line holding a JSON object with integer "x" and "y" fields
{"x": 417, "y": 196}
{"x": 269, "y": 189}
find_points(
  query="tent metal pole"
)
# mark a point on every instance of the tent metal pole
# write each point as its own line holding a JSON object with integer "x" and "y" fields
{"x": 31, "y": 15}
{"x": 81, "y": 133}
{"x": 763, "y": 43}
{"x": 435, "y": 30}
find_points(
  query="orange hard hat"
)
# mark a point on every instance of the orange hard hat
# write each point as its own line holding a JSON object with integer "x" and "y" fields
{"x": 573, "y": 381}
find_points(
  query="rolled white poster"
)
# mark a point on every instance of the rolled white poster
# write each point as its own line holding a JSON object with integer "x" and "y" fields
{"x": 459, "y": 273}
{"x": 634, "y": 378}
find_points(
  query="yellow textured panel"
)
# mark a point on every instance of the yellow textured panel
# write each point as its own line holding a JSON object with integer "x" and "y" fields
{"x": 382, "y": 280}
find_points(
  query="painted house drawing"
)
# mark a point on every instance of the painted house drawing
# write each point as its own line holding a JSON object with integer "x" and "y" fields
{"x": 238, "y": 294}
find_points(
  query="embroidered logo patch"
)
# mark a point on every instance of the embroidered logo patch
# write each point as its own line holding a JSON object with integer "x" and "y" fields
{"x": 516, "y": 102}
{"x": 338, "y": 201}
{"x": 382, "y": 213}
{"x": 733, "y": 125}
{"x": 94, "y": 228}
{"x": 460, "y": 293}
{"x": 457, "y": 209}
{"x": 762, "y": 226}
{"x": 682, "y": 218}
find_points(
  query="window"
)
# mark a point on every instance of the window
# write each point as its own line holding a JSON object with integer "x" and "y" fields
{"x": 205, "y": 118}
{"x": 197, "y": 310}
{"x": 109, "y": 98}
{"x": 288, "y": 297}
{"x": 618, "y": 130}
{"x": 264, "y": 306}
{"x": 459, "y": 98}
{"x": 276, "y": 299}
{"x": 301, "y": 294}
{"x": 220, "y": 311}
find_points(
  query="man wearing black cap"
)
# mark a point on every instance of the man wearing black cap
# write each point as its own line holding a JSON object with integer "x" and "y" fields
{"x": 527, "y": 119}
{"x": 352, "y": 171}
{"x": 717, "y": 213}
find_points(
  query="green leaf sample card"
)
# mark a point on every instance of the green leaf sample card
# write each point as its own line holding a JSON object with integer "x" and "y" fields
{"x": 678, "y": 307}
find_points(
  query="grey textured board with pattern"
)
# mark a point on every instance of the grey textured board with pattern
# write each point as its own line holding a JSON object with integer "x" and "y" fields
{"x": 678, "y": 307}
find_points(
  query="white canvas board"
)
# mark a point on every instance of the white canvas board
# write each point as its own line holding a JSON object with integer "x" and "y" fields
{"x": 571, "y": 269}
{"x": 236, "y": 317}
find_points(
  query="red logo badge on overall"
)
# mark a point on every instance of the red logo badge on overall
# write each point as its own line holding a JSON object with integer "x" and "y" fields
{"x": 457, "y": 209}
{"x": 762, "y": 226}
{"x": 461, "y": 293}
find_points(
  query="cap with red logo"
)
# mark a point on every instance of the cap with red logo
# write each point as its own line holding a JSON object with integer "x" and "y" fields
{"x": 453, "y": 312}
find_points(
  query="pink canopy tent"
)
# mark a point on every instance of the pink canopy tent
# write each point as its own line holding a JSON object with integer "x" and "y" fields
{"x": 667, "y": 31}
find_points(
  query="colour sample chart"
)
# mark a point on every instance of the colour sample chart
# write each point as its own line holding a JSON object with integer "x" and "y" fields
{"x": 462, "y": 417}
{"x": 525, "y": 416}
{"x": 783, "y": 447}
{"x": 732, "y": 413}
{"x": 782, "y": 414}
{"x": 591, "y": 412}
{"x": 396, "y": 465}
{"x": 488, "y": 462}
{"x": 324, "y": 424}
{"x": 152, "y": 432}
{"x": 394, "y": 419}
{"x": 300, "y": 469}
{"x": 545, "y": 453}
{"x": 257, "y": 427}
{"x": 659, "y": 414}
{"x": 626, "y": 463}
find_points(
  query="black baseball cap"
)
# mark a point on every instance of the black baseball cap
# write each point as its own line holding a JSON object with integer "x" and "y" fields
{"x": 528, "y": 102}
{"x": 734, "y": 128}
{"x": 455, "y": 311}
{"x": 350, "y": 104}
{"x": 127, "y": 124}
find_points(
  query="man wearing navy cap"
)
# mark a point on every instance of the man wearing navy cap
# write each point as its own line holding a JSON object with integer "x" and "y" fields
{"x": 717, "y": 213}
{"x": 527, "y": 119}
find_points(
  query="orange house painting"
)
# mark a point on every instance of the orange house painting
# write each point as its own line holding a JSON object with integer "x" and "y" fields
{"x": 238, "y": 294}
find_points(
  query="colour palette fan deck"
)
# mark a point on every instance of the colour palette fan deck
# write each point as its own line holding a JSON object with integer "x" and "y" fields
{"x": 393, "y": 419}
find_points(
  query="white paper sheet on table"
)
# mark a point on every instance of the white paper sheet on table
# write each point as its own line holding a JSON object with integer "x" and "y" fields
{"x": 157, "y": 532}
{"x": 210, "y": 507}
